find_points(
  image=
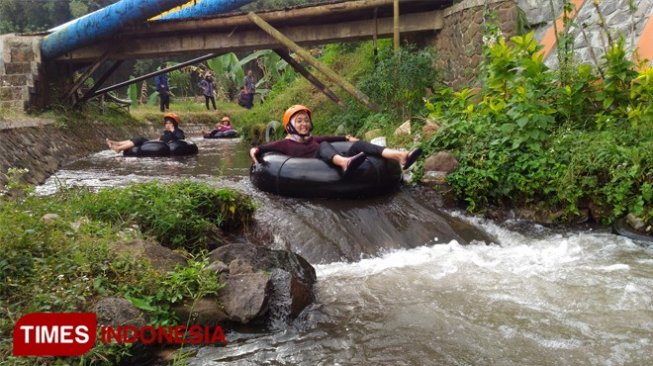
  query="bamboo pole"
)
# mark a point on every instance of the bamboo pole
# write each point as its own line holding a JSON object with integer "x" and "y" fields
{"x": 152, "y": 74}
{"x": 396, "y": 24}
{"x": 305, "y": 73}
{"x": 274, "y": 33}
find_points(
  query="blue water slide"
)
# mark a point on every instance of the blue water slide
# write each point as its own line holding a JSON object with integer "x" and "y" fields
{"x": 205, "y": 8}
{"x": 103, "y": 23}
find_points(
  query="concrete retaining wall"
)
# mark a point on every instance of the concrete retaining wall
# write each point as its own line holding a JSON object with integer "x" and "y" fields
{"x": 42, "y": 147}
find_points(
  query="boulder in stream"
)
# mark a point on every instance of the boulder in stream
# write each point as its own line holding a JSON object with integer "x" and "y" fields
{"x": 263, "y": 283}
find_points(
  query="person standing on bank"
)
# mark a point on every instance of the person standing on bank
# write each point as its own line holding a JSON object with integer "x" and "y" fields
{"x": 249, "y": 83}
{"x": 161, "y": 84}
{"x": 300, "y": 143}
{"x": 208, "y": 89}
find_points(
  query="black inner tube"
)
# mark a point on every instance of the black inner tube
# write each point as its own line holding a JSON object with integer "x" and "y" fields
{"x": 621, "y": 227}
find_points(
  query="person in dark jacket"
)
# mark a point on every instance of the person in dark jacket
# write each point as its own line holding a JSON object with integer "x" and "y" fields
{"x": 171, "y": 132}
{"x": 161, "y": 84}
{"x": 249, "y": 83}
{"x": 208, "y": 89}
{"x": 301, "y": 144}
{"x": 242, "y": 97}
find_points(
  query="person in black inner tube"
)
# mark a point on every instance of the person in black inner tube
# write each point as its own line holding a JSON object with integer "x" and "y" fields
{"x": 300, "y": 143}
{"x": 171, "y": 132}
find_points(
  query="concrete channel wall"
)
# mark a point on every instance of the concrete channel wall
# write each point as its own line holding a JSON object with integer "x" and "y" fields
{"x": 623, "y": 18}
{"x": 42, "y": 147}
{"x": 459, "y": 43}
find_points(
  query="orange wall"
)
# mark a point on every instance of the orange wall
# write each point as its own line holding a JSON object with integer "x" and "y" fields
{"x": 549, "y": 39}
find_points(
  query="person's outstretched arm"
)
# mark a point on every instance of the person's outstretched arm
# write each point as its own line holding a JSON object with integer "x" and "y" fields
{"x": 252, "y": 154}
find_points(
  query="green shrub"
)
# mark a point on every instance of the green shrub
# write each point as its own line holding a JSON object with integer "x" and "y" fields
{"x": 67, "y": 262}
{"x": 558, "y": 139}
{"x": 178, "y": 215}
{"x": 400, "y": 80}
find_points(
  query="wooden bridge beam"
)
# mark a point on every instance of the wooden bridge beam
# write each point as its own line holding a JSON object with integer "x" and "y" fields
{"x": 281, "y": 38}
{"x": 247, "y": 40}
{"x": 285, "y": 55}
{"x": 87, "y": 74}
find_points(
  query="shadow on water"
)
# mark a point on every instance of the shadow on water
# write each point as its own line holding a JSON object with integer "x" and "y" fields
{"x": 323, "y": 231}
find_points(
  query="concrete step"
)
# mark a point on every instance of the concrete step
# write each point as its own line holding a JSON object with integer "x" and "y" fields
{"x": 16, "y": 105}
{"x": 14, "y": 92}
{"x": 16, "y": 79}
{"x": 12, "y": 68}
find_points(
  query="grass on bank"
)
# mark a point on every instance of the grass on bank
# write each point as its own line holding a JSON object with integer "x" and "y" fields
{"x": 67, "y": 262}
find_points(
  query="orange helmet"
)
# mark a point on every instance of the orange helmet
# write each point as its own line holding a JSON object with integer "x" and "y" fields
{"x": 173, "y": 116}
{"x": 287, "y": 115}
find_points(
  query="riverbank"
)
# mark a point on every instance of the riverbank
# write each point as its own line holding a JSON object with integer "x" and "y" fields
{"x": 42, "y": 144}
{"x": 115, "y": 253}
{"x": 151, "y": 254}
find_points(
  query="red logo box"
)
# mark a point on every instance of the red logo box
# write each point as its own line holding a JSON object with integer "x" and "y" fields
{"x": 54, "y": 334}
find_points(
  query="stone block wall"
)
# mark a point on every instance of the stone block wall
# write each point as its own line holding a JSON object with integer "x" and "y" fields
{"x": 20, "y": 76}
{"x": 623, "y": 18}
{"x": 459, "y": 43}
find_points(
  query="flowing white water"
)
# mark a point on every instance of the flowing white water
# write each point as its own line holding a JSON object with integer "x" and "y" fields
{"x": 419, "y": 296}
{"x": 558, "y": 299}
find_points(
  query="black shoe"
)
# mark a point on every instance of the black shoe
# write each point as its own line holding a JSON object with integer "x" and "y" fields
{"x": 354, "y": 163}
{"x": 412, "y": 158}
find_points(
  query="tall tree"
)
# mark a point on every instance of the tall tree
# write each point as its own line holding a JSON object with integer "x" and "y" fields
{"x": 40, "y": 15}
{"x": 83, "y": 7}
{"x": 32, "y": 15}
{"x": 278, "y": 4}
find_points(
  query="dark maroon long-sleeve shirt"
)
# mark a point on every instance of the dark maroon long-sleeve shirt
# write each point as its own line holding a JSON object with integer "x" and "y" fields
{"x": 306, "y": 149}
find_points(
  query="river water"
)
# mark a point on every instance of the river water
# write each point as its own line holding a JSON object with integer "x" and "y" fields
{"x": 403, "y": 283}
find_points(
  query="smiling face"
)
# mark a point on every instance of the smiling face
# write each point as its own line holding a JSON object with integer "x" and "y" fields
{"x": 169, "y": 126}
{"x": 302, "y": 123}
